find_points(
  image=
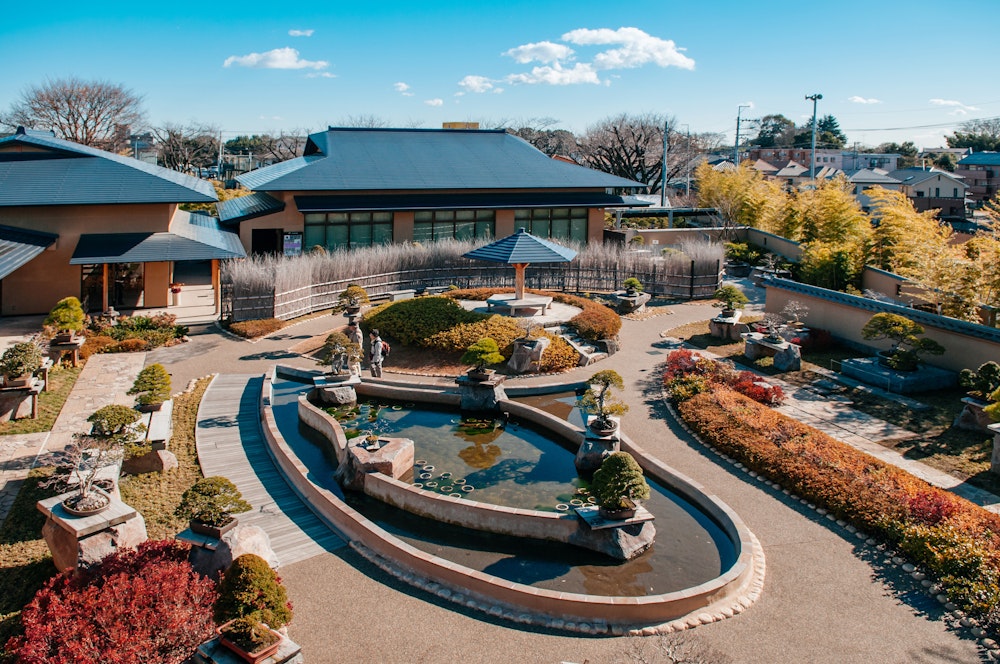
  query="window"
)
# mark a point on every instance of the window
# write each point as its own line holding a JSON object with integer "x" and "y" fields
{"x": 433, "y": 225}
{"x": 954, "y": 192}
{"x": 937, "y": 192}
{"x": 920, "y": 194}
{"x": 346, "y": 230}
{"x": 554, "y": 223}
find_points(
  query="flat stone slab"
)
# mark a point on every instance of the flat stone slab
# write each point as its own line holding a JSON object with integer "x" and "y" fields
{"x": 925, "y": 378}
{"x": 117, "y": 512}
{"x": 392, "y": 457}
{"x": 591, "y": 515}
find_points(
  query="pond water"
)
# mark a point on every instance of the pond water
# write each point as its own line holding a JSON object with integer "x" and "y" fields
{"x": 515, "y": 465}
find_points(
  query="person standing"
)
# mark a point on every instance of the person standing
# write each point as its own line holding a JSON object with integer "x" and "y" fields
{"x": 376, "y": 354}
{"x": 354, "y": 336}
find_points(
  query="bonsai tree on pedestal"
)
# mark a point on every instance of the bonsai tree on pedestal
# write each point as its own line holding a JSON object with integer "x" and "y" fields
{"x": 599, "y": 401}
{"x": 905, "y": 352}
{"x": 339, "y": 353}
{"x": 20, "y": 361}
{"x": 353, "y": 297}
{"x": 617, "y": 484}
{"x": 632, "y": 286}
{"x": 67, "y": 318}
{"x": 153, "y": 387}
{"x": 255, "y": 603}
{"x": 210, "y": 505}
{"x": 982, "y": 382}
{"x": 480, "y": 354}
{"x": 730, "y": 299}
{"x": 794, "y": 311}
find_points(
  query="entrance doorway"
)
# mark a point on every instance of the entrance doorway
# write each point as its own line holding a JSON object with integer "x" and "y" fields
{"x": 125, "y": 285}
{"x": 265, "y": 241}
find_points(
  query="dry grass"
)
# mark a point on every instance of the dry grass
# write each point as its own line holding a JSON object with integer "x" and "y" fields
{"x": 962, "y": 454}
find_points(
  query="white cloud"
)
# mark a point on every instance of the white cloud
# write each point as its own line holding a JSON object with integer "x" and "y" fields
{"x": 435, "y": 102}
{"x": 862, "y": 100}
{"x": 320, "y": 74}
{"x": 403, "y": 89}
{"x": 301, "y": 33}
{"x": 557, "y": 75}
{"x": 279, "y": 58}
{"x": 545, "y": 51}
{"x": 475, "y": 84}
{"x": 954, "y": 103}
{"x": 637, "y": 48}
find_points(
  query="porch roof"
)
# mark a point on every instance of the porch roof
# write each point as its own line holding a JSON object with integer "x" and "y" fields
{"x": 192, "y": 237}
{"x": 18, "y": 246}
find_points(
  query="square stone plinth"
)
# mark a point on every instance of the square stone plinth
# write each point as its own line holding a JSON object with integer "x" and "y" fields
{"x": 591, "y": 515}
{"x": 214, "y": 652}
{"x": 393, "y": 457}
{"x": 79, "y": 541}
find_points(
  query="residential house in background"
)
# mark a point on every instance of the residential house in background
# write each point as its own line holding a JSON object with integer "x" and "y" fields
{"x": 355, "y": 187}
{"x": 931, "y": 189}
{"x": 856, "y": 161}
{"x": 981, "y": 173}
{"x": 108, "y": 229}
{"x": 866, "y": 178}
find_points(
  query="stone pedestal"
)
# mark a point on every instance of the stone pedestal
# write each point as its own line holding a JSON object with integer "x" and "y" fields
{"x": 527, "y": 355}
{"x": 726, "y": 327}
{"x": 481, "y": 395}
{"x": 81, "y": 541}
{"x": 627, "y": 304}
{"x": 869, "y": 370}
{"x": 213, "y": 652}
{"x": 621, "y": 539}
{"x": 595, "y": 448}
{"x": 973, "y": 417}
{"x": 156, "y": 461}
{"x": 209, "y": 556}
{"x": 392, "y": 457}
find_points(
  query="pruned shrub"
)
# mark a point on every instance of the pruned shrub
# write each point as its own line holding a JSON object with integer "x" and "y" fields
{"x": 128, "y": 346}
{"x": 135, "y": 606}
{"x": 687, "y": 373}
{"x": 98, "y": 343}
{"x": 502, "y": 329}
{"x": 412, "y": 321}
{"x": 559, "y": 356}
{"x": 250, "y": 588}
{"x": 152, "y": 385}
{"x": 213, "y": 501}
{"x": 252, "y": 329}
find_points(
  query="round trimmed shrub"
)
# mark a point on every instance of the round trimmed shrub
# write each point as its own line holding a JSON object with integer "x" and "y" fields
{"x": 412, "y": 321}
{"x": 251, "y": 588}
{"x": 619, "y": 476}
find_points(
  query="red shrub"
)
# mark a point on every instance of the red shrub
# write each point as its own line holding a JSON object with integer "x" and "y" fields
{"x": 135, "y": 606}
{"x": 930, "y": 507}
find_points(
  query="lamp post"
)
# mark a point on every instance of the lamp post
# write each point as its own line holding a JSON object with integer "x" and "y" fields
{"x": 736, "y": 146}
{"x": 812, "y": 160}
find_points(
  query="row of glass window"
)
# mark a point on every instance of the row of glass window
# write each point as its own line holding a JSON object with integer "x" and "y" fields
{"x": 344, "y": 230}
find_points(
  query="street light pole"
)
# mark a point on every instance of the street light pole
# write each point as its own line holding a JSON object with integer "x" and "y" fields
{"x": 663, "y": 166}
{"x": 812, "y": 161}
{"x": 736, "y": 146}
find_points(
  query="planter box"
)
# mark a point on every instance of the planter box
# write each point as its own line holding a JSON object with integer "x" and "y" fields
{"x": 215, "y": 532}
{"x": 254, "y": 657}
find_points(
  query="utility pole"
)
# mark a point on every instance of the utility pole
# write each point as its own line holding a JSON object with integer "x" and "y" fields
{"x": 663, "y": 166}
{"x": 687, "y": 169}
{"x": 736, "y": 147}
{"x": 812, "y": 161}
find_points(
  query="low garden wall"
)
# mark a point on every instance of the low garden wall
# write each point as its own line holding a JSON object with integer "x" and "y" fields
{"x": 732, "y": 592}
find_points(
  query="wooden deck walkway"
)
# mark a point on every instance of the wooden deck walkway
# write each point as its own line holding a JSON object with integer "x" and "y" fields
{"x": 230, "y": 443}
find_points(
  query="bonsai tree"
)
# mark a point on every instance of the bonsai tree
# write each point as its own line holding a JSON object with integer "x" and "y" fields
{"x": 339, "y": 352}
{"x": 981, "y": 383}
{"x": 633, "y": 284}
{"x": 21, "y": 359}
{"x": 152, "y": 385}
{"x": 741, "y": 252}
{"x": 599, "y": 401}
{"x": 66, "y": 316}
{"x": 249, "y": 635}
{"x": 730, "y": 297}
{"x": 794, "y": 311}
{"x": 251, "y": 589}
{"x": 483, "y": 352}
{"x": 353, "y": 296}
{"x": 908, "y": 344}
{"x": 212, "y": 501}
{"x": 619, "y": 482}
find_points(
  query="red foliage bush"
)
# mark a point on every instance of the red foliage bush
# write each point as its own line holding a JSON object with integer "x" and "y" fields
{"x": 146, "y": 605}
{"x": 683, "y": 364}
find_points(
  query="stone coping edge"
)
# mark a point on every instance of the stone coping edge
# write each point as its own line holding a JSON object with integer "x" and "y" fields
{"x": 731, "y": 593}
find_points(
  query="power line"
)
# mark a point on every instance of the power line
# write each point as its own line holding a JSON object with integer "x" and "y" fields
{"x": 928, "y": 126}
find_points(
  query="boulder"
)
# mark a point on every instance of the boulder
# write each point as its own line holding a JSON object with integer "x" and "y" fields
{"x": 788, "y": 359}
{"x": 338, "y": 395}
{"x": 622, "y": 543}
{"x": 241, "y": 539}
{"x": 157, "y": 461}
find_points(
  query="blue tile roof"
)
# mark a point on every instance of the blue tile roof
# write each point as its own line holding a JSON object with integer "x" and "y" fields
{"x": 420, "y": 159}
{"x": 522, "y": 247}
{"x": 18, "y": 246}
{"x": 53, "y": 171}
{"x": 481, "y": 201}
{"x": 191, "y": 237}
{"x": 246, "y": 207}
{"x": 981, "y": 158}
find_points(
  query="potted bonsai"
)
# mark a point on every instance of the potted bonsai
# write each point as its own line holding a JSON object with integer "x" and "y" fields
{"x": 599, "y": 401}
{"x": 210, "y": 505}
{"x": 352, "y": 298}
{"x": 730, "y": 298}
{"x": 982, "y": 382}
{"x": 632, "y": 286}
{"x": 19, "y": 362}
{"x": 617, "y": 485}
{"x": 794, "y": 311}
{"x": 251, "y": 592}
{"x": 67, "y": 318}
{"x": 908, "y": 344}
{"x": 249, "y": 638}
{"x": 153, "y": 387}
{"x": 112, "y": 428}
{"x": 483, "y": 352}
{"x": 339, "y": 353}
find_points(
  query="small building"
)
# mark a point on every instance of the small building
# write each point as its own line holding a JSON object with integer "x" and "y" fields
{"x": 77, "y": 221}
{"x": 356, "y": 187}
{"x": 933, "y": 189}
{"x": 981, "y": 173}
{"x": 865, "y": 178}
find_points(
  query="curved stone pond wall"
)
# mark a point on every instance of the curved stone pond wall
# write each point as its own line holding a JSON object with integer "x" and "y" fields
{"x": 731, "y": 592}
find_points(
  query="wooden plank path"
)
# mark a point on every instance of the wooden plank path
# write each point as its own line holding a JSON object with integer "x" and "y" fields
{"x": 230, "y": 443}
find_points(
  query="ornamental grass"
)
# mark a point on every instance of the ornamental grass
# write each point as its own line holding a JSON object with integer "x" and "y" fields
{"x": 955, "y": 540}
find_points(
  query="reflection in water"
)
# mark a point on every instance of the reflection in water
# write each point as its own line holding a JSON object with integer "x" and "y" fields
{"x": 480, "y": 456}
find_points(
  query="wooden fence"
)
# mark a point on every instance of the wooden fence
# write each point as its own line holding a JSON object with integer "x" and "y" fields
{"x": 685, "y": 284}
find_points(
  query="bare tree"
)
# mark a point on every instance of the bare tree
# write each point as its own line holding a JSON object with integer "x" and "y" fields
{"x": 364, "y": 121}
{"x": 95, "y": 113}
{"x": 187, "y": 148}
{"x": 631, "y": 146}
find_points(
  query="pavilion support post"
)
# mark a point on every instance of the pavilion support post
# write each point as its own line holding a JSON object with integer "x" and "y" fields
{"x": 519, "y": 280}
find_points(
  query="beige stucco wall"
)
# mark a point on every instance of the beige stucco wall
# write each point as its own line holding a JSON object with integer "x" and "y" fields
{"x": 35, "y": 287}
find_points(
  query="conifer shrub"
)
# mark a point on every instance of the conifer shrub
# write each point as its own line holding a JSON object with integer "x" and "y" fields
{"x": 66, "y": 315}
{"x": 250, "y": 588}
{"x": 618, "y": 478}
{"x": 152, "y": 385}
{"x": 412, "y": 321}
{"x": 212, "y": 501}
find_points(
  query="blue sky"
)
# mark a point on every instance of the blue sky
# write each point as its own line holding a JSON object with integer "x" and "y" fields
{"x": 250, "y": 67}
